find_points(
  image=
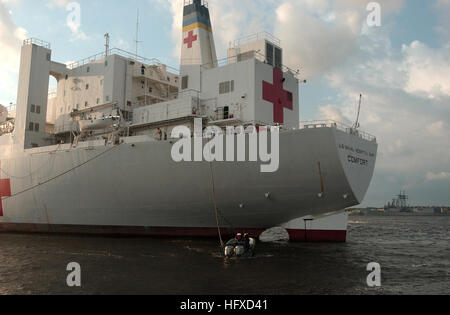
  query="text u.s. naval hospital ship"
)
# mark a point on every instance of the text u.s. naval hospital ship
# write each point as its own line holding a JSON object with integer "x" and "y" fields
{"x": 97, "y": 156}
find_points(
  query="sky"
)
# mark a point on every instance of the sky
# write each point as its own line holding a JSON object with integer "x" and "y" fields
{"x": 402, "y": 66}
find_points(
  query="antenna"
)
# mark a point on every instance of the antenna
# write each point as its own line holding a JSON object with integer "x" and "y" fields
{"x": 106, "y": 44}
{"x": 137, "y": 33}
{"x": 357, "y": 125}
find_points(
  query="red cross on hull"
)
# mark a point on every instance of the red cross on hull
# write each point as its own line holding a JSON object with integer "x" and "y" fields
{"x": 5, "y": 190}
{"x": 190, "y": 39}
{"x": 275, "y": 94}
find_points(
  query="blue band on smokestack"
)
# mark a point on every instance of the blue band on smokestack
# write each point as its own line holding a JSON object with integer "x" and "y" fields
{"x": 195, "y": 15}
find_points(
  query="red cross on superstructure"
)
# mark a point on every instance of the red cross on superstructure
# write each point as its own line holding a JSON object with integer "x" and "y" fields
{"x": 5, "y": 190}
{"x": 190, "y": 39}
{"x": 275, "y": 94}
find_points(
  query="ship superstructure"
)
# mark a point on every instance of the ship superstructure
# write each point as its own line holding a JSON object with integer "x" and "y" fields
{"x": 96, "y": 157}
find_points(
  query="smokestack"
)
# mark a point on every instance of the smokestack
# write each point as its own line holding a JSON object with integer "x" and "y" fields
{"x": 198, "y": 42}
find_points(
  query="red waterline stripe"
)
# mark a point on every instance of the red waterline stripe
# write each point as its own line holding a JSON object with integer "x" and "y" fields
{"x": 295, "y": 235}
{"x": 318, "y": 236}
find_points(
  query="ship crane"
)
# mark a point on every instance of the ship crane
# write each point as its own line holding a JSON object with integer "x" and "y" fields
{"x": 357, "y": 124}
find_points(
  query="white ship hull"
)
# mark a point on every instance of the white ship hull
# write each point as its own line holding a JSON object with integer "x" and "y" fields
{"x": 136, "y": 188}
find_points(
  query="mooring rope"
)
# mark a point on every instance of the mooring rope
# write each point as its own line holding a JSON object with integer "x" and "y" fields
{"x": 213, "y": 186}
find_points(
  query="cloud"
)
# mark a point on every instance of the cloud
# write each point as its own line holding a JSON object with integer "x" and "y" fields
{"x": 307, "y": 38}
{"x": 428, "y": 70}
{"x": 11, "y": 38}
{"x": 319, "y": 35}
{"x": 57, "y": 3}
{"x": 77, "y": 33}
{"x": 333, "y": 112}
{"x": 442, "y": 176}
{"x": 443, "y": 11}
{"x": 438, "y": 129}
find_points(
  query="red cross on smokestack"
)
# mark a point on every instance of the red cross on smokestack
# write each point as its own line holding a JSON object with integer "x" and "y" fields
{"x": 190, "y": 39}
{"x": 5, "y": 190}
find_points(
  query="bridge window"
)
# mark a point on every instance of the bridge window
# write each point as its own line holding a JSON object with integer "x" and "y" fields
{"x": 184, "y": 82}
{"x": 36, "y": 127}
{"x": 226, "y": 87}
{"x": 31, "y": 126}
{"x": 33, "y": 108}
{"x": 269, "y": 54}
{"x": 38, "y": 109}
{"x": 278, "y": 58}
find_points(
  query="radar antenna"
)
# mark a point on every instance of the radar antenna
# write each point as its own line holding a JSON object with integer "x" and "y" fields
{"x": 106, "y": 44}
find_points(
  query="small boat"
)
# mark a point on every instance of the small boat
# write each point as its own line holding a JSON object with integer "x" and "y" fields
{"x": 235, "y": 248}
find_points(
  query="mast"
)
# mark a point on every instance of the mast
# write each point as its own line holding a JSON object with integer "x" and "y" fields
{"x": 137, "y": 33}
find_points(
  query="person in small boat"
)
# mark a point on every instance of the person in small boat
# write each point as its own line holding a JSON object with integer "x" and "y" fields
{"x": 237, "y": 240}
{"x": 159, "y": 131}
{"x": 246, "y": 242}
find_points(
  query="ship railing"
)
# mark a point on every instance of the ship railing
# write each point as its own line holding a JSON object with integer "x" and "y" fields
{"x": 243, "y": 57}
{"x": 122, "y": 53}
{"x": 255, "y": 37}
{"x": 227, "y": 112}
{"x": 337, "y": 125}
{"x": 189, "y": 2}
{"x": 36, "y": 41}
